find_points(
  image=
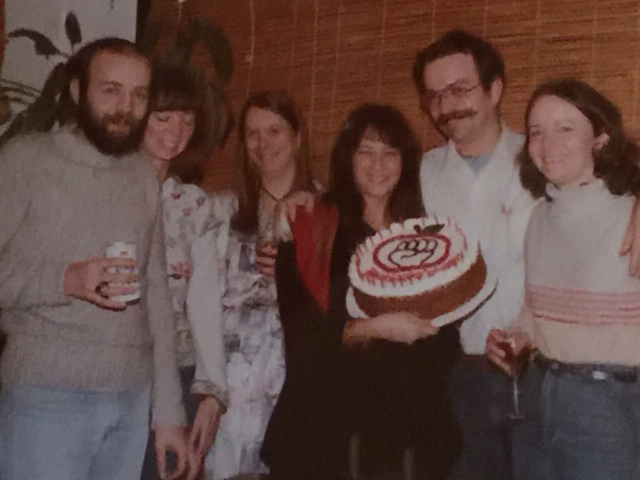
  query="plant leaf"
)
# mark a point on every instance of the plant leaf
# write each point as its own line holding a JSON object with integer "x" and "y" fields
{"x": 72, "y": 29}
{"x": 149, "y": 37}
{"x": 186, "y": 38}
{"x": 42, "y": 44}
{"x": 15, "y": 128}
{"x": 18, "y": 91}
{"x": 219, "y": 49}
{"x": 7, "y": 83}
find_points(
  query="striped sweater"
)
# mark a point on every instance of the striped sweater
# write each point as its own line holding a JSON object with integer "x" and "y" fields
{"x": 581, "y": 305}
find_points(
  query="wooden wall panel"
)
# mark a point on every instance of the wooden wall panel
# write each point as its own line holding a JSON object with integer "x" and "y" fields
{"x": 334, "y": 54}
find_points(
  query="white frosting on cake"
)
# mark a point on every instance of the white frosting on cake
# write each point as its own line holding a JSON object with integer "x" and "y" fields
{"x": 412, "y": 257}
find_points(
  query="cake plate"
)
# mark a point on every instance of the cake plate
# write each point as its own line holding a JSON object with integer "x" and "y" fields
{"x": 461, "y": 312}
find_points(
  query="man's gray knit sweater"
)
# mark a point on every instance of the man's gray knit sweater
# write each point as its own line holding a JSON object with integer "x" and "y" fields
{"x": 62, "y": 201}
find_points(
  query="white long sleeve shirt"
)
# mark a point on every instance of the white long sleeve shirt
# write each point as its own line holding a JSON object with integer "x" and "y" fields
{"x": 495, "y": 206}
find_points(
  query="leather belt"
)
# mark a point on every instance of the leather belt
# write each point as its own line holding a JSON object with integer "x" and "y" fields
{"x": 602, "y": 372}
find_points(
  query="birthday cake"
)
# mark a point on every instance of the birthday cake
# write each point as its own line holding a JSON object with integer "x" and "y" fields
{"x": 427, "y": 266}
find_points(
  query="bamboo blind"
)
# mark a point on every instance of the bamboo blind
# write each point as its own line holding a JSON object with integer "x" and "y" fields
{"x": 334, "y": 54}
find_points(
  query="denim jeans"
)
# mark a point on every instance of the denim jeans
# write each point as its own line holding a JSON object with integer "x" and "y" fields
{"x": 529, "y": 459}
{"x": 482, "y": 399}
{"x": 48, "y": 434}
{"x": 591, "y": 428}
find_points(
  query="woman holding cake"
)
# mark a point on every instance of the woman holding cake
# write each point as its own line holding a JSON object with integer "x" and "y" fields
{"x": 330, "y": 391}
{"x": 582, "y": 309}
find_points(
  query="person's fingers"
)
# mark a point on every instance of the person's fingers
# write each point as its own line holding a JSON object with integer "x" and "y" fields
{"x": 634, "y": 259}
{"x": 492, "y": 347}
{"x": 119, "y": 277}
{"x": 103, "y": 302}
{"x": 290, "y": 212}
{"x": 196, "y": 437}
{"x": 266, "y": 265}
{"x": 625, "y": 246}
{"x": 630, "y": 241}
{"x": 111, "y": 290}
{"x": 110, "y": 262}
{"x": 268, "y": 250}
{"x": 194, "y": 433}
{"x": 183, "y": 461}
{"x": 161, "y": 463}
{"x": 505, "y": 367}
{"x": 428, "y": 330}
{"x": 201, "y": 444}
{"x": 194, "y": 463}
{"x": 495, "y": 350}
{"x": 309, "y": 204}
{"x": 181, "y": 464}
{"x": 267, "y": 272}
{"x": 267, "y": 260}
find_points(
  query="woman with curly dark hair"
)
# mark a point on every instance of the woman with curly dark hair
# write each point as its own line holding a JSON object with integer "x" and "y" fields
{"x": 329, "y": 391}
{"x": 582, "y": 309}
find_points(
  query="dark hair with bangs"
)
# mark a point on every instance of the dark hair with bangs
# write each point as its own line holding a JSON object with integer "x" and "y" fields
{"x": 488, "y": 60}
{"x": 616, "y": 162}
{"x": 392, "y": 128}
{"x": 178, "y": 89}
{"x": 249, "y": 182}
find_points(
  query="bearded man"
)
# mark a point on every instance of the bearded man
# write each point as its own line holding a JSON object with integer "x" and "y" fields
{"x": 80, "y": 367}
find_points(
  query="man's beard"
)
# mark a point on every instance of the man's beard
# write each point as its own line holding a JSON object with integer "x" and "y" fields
{"x": 96, "y": 129}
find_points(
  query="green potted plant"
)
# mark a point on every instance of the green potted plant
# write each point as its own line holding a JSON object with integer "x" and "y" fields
{"x": 46, "y": 106}
{"x": 50, "y": 105}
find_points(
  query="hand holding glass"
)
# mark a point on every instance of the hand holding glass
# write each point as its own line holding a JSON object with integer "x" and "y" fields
{"x": 516, "y": 356}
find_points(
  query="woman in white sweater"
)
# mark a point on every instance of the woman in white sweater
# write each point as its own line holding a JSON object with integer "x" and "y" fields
{"x": 582, "y": 309}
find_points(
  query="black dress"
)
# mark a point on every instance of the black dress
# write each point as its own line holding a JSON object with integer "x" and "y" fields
{"x": 307, "y": 435}
{"x": 391, "y": 394}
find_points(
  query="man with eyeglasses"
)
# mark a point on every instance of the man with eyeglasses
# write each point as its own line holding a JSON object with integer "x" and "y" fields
{"x": 474, "y": 179}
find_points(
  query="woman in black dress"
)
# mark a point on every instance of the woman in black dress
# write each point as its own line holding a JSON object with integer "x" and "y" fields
{"x": 382, "y": 390}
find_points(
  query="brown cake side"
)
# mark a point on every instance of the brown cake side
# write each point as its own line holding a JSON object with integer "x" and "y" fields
{"x": 431, "y": 304}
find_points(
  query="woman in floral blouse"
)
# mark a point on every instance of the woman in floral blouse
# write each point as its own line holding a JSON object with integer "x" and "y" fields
{"x": 171, "y": 143}
{"x": 273, "y": 162}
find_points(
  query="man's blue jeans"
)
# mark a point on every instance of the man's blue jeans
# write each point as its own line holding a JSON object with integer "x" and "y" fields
{"x": 591, "y": 428}
{"x": 48, "y": 434}
{"x": 481, "y": 397}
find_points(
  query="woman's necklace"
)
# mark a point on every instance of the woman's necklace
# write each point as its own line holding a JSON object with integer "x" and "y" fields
{"x": 271, "y": 195}
{"x": 267, "y": 211}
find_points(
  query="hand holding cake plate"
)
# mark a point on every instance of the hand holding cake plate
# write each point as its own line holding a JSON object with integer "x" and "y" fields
{"x": 426, "y": 266}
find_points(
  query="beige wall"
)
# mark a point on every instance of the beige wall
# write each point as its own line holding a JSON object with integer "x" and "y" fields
{"x": 334, "y": 54}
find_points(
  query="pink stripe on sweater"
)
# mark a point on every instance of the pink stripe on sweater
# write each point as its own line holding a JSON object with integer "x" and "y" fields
{"x": 583, "y": 307}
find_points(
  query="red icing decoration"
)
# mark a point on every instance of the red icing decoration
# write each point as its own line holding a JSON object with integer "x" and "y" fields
{"x": 383, "y": 274}
{"x": 423, "y": 267}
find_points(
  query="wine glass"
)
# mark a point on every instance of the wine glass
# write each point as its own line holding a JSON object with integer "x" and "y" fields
{"x": 265, "y": 246}
{"x": 517, "y": 364}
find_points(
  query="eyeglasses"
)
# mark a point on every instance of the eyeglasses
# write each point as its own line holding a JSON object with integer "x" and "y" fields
{"x": 455, "y": 91}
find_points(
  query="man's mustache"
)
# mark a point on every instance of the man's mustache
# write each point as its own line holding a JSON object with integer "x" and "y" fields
{"x": 455, "y": 115}
{"x": 121, "y": 118}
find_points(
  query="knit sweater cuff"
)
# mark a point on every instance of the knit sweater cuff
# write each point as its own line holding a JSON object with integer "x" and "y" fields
{"x": 165, "y": 414}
